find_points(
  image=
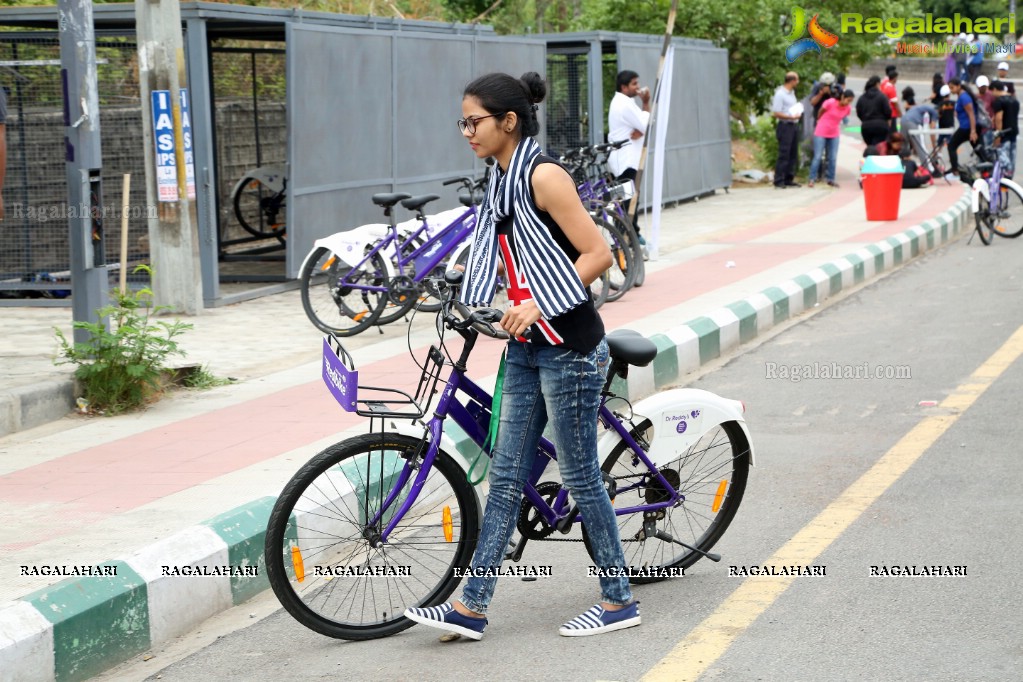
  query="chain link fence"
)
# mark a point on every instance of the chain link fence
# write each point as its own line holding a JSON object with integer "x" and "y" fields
{"x": 569, "y": 119}
{"x": 34, "y": 253}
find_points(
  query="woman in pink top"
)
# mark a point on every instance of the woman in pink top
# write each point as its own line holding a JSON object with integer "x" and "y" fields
{"x": 825, "y": 135}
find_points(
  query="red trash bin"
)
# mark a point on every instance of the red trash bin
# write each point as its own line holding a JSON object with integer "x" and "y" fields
{"x": 882, "y": 186}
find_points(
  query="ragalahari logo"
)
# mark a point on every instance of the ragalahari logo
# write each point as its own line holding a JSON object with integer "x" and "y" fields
{"x": 817, "y": 39}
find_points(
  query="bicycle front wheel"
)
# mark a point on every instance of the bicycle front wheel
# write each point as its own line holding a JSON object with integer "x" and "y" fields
{"x": 325, "y": 558}
{"x": 340, "y": 299}
{"x": 1009, "y": 222}
{"x": 983, "y": 220}
{"x": 710, "y": 475}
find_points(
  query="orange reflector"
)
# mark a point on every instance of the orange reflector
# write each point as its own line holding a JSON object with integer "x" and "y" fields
{"x": 719, "y": 495}
{"x": 446, "y": 522}
{"x": 621, "y": 259}
{"x": 330, "y": 261}
{"x": 296, "y": 561}
{"x": 358, "y": 316}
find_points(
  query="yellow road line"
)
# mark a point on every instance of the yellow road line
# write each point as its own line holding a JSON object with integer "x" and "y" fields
{"x": 708, "y": 641}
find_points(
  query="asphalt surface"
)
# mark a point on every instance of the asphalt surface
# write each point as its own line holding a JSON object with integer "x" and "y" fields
{"x": 941, "y": 317}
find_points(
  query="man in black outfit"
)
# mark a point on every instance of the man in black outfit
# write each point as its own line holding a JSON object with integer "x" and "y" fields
{"x": 787, "y": 132}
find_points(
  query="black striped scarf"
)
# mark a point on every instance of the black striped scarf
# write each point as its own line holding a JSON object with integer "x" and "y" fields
{"x": 551, "y": 276}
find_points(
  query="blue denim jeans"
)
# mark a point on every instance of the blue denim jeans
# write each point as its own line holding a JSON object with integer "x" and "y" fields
{"x": 541, "y": 384}
{"x": 1007, "y": 154}
{"x": 820, "y": 145}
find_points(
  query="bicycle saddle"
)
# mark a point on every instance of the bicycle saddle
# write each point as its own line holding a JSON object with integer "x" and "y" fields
{"x": 631, "y": 347}
{"x": 984, "y": 167}
{"x": 389, "y": 200}
{"x": 416, "y": 203}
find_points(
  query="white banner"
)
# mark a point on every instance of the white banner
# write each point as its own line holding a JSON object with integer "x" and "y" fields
{"x": 662, "y": 99}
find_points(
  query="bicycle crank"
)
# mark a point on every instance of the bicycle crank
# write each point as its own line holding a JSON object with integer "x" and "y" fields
{"x": 401, "y": 288}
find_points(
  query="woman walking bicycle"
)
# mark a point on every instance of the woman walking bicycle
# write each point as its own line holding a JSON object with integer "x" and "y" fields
{"x": 556, "y": 362}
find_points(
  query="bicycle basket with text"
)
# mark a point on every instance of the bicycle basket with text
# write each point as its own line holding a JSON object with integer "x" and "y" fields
{"x": 342, "y": 380}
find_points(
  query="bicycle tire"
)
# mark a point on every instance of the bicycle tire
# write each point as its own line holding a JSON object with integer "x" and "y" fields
{"x": 1010, "y": 220}
{"x": 312, "y": 517}
{"x": 723, "y": 444}
{"x": 982, "y": 220}
{"x": 599, "y": 289}
{"x": 624, "y": 223}
{"x": 249, "y": 204}
{"x": 337, "y": 309}
{"x": 622, "y": 272}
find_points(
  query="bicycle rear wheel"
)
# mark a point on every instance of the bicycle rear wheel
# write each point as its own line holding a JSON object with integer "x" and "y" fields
{"x": 600, "y": 288}
{"x": 260, "y": 211}
{"x": 322, "y": 532}
{"x": 337, "y": 298}
{"x": 624, "y": 224}
{"x": 983, "y": 220}
{"x": 622, "y": 272}
{"x": 711, "y": 475}
{"x": 1009, "y": 222}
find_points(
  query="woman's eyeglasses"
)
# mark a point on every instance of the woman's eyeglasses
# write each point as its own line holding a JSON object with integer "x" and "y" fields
{"x": 469, "y": 124}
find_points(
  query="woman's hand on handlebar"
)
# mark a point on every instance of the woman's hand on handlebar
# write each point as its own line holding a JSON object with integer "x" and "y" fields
{"x": 519, "y": 318}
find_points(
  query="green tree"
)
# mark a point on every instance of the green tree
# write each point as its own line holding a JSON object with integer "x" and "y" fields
{"x": 755, "y": 33}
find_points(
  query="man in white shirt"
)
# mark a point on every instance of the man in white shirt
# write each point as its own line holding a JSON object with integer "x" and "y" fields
{"x": 627, "y": 121}
{"x": 783, "y": 108}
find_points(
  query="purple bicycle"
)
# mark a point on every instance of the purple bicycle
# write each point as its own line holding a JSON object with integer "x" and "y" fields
{"x": 388, "y": 520}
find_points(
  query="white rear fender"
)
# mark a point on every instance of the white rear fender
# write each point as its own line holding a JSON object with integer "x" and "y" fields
{"x": 417, "y": 430}
{"x": 980, "y": 188}
{"x": 350, "y": 245}
{"x": 272, "y": 177}
{"x": 680, "y": 417}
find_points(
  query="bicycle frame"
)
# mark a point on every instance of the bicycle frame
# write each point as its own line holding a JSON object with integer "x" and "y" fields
{"x": 559, "y": 511}
{"x": 350, "y": 246}
{"x": 437, "y": 247}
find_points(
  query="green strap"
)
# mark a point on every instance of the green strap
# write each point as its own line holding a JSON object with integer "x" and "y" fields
{"x": 495, "y": 405}
{"x": 495, "y": 420}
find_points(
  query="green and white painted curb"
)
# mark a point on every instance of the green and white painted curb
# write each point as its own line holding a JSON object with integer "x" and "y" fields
{"x": 82, "y": 626}
{"x": 79, "y": 627}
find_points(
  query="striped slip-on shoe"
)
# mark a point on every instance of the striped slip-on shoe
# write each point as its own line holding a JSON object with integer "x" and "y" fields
{"x": 598, "y": 620}
{"x": 444, "y": 617}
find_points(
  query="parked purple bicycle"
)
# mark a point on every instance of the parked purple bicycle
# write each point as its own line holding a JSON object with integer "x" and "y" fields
{"x": 388, "y": 520}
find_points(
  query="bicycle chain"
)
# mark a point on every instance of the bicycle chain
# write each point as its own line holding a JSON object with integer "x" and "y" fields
{"x": 546, "y": 538}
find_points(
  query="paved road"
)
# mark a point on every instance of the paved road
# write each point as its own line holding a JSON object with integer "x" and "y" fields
{"x": 942, "y": 317}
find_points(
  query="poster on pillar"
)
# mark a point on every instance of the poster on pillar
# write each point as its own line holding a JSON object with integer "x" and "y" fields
{"x": 166, "y": 149}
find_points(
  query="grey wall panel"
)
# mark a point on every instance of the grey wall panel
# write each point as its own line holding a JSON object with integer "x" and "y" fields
{"x": 340, "y": 107}
{"x": 430, "y": 73}
{"x": 375, "y": 112}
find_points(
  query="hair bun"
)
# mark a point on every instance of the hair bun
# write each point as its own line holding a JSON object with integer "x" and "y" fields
{"x": 535, "y": 86}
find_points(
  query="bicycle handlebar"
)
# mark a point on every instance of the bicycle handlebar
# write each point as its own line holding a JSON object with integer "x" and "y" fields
{"x": 481, "y": 320}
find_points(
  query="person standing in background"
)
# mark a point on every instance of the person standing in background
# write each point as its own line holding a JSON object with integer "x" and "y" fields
{"x": 887, "y": 86}
{"x": 1006, "y": 119}
{"x": 874, "y": 111}
{"x": 826, "y": 136}
{"x": 1003, "y": 75}
{"x": 627, "y": 121}
{"x": 787, "y": 131}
